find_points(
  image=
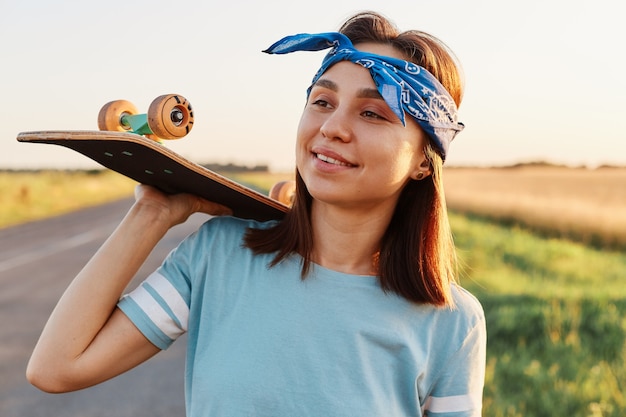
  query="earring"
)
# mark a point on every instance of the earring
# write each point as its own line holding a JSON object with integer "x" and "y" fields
{"x": 420, "y": 175}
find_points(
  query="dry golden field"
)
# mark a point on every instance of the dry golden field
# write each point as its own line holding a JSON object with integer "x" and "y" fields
{"x": 588, "y": 205}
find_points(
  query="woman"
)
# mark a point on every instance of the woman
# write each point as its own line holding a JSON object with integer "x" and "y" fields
{"x": 347, "y": 307}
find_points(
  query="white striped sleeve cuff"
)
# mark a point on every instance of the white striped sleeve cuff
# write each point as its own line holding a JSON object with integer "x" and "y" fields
{"x": 157, "y": 309}
{"x": 463, "y": 404}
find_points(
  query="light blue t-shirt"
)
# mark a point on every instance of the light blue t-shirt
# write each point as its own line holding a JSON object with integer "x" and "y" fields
{"x": 264, "y": 342}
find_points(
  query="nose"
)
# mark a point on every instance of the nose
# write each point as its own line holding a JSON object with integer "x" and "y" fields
{"x": 337, "y": 126}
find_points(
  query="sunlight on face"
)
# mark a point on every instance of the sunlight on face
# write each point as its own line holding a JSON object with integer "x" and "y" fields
{"x": 352, "y": 149}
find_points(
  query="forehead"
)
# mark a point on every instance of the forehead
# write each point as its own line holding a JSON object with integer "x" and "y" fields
{"x": 379, "y": 49}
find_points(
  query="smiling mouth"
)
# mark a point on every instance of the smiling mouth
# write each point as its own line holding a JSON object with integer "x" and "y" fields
{"x": 332, "y": 161}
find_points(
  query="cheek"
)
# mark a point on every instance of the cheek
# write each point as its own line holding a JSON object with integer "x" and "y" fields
{"x": 302, "y": 126}
{"x": 303, "y": 133}
{"x": 308, "y": 127}
{"x": 403, "y": 159}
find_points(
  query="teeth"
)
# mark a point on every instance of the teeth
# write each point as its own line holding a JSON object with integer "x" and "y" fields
{"x": 330, "y": 160}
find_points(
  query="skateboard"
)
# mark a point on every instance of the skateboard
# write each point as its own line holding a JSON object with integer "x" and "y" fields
{"x": 132, "y": 145}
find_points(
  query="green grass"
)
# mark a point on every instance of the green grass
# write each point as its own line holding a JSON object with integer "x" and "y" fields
{"x": 32, "y": 195}
{"x": 556, "y": 321}
{"x": 514, "y": 261}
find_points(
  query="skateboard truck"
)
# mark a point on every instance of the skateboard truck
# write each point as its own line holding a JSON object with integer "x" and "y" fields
{"x": 170, "y": 116}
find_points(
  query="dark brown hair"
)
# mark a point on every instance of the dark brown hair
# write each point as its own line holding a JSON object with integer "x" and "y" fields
{"x": 417, "y": 257}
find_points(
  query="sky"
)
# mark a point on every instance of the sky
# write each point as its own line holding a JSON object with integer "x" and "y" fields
{"x": 545, "y": 79}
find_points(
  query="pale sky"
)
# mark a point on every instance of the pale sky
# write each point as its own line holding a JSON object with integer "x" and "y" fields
{"x": 545, "y": 79}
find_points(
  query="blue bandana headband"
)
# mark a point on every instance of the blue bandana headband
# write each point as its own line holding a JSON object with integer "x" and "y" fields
{"x": 405, "y": 86}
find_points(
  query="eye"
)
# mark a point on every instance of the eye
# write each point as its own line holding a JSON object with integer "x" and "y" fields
{"x": 320, "y": 103}
{"x": 372, "y": 115}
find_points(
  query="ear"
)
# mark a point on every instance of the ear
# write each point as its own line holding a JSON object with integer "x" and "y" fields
{"x": 422, "y": 171}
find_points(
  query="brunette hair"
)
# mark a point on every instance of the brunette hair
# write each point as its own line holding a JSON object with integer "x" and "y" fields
{"x": 417, "y": 257}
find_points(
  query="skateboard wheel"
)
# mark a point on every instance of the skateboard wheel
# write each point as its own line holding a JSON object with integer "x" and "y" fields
{"x": 284, "y": 191}
{"x": 111, "y": 114}
{"x": 170, "y": 116}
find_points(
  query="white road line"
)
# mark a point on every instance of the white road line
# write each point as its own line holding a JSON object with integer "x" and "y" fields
{"x": 51, "y": 249}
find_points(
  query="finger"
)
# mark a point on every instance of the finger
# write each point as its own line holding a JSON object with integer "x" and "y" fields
{"x": 212, "y": 208}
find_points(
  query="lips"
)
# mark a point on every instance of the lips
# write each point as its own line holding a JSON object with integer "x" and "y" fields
{"x": 332, "y": 161}
{"x": 330, "y": 157}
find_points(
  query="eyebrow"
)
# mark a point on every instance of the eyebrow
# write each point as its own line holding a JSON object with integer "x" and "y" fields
{"x": 363, "y": 93}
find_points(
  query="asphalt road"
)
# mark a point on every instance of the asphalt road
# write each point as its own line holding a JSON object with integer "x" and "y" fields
{"x": 37, "y": 262}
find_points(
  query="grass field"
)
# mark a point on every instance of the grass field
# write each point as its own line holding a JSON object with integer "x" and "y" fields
{"x": 556, "y": 321}
{"x": 27, "y": 196}
{"x": 543, "y": 250}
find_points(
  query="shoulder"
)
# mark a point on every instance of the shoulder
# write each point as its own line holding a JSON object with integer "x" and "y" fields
{"x": 228, "y": 227}
{"x": 219, "y": 236}
{"x": 463, "y": 316}
{"x": 467, "y": 308}
{"x": 235, "y": 223}
{"x": 456, "y": 329}
{"x": 466, "y": 301}
{"x": 216, "y": 245}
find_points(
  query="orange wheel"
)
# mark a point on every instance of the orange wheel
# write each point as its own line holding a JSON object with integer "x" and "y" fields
{"x": 110, "y": 116}
{"x": 170, "y": 116}
{"x": 284, "y": 191}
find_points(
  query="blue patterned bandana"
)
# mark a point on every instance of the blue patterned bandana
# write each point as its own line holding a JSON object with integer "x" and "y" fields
{"x": 405, "y": 86}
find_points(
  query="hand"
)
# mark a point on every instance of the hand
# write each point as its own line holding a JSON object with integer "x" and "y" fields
{"x": 176, "y": 208}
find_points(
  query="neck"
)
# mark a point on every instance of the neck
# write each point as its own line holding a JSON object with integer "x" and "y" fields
{"x": 346, "y": 241}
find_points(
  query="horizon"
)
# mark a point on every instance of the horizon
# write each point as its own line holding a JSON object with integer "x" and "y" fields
{"x": 229, "y": 167}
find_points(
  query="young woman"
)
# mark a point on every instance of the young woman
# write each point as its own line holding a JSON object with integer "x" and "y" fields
{"x": 347, "y": 307}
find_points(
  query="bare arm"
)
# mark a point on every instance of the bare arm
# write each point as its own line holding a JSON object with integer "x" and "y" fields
{"x": 87, "y": 340}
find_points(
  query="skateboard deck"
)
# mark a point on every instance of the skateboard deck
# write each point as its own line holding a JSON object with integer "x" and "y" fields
{"x": 149, "y": 162}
